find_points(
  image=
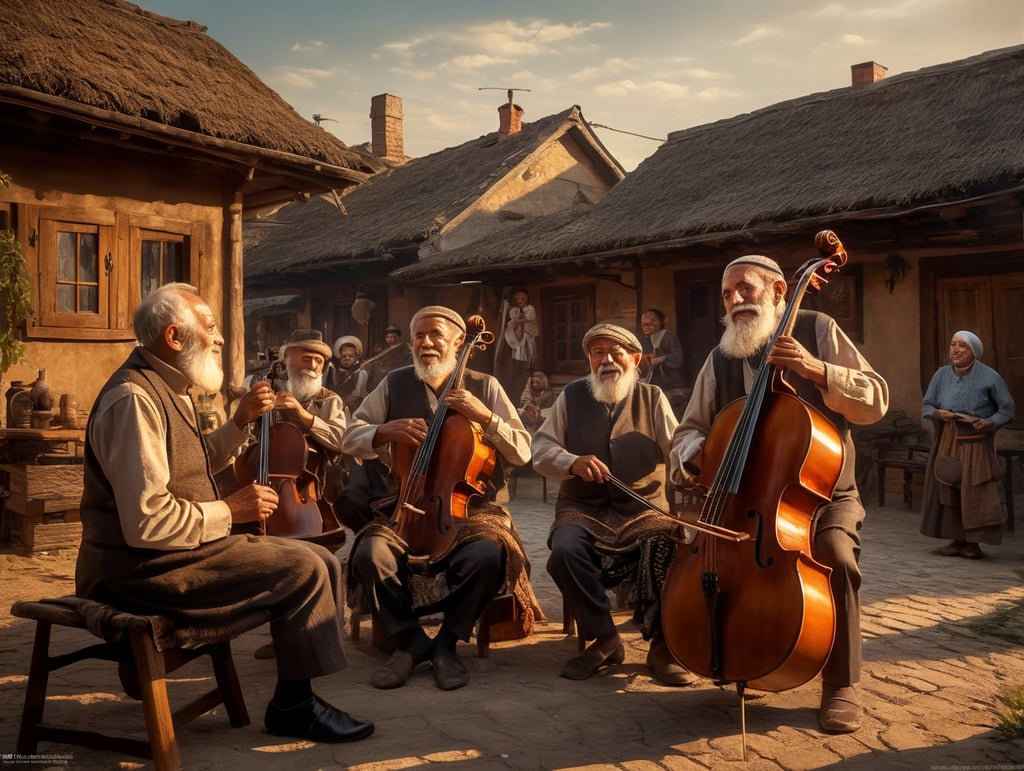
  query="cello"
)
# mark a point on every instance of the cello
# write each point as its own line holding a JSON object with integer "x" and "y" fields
{"x": 760, "y": 612}
{"x": 281, "y": 458}
{"x": 451, "y": 466}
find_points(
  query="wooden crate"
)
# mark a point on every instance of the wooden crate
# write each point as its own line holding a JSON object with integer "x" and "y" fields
{"x": 40, "y": 510}
{"x": 45, "y": 532}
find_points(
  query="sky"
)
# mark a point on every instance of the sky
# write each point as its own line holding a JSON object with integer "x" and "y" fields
{"x": 638, "y": 69}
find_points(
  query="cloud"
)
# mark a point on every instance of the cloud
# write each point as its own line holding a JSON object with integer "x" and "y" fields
{"x": 302, "y": 78}
{"x": 760, "y": 32}
{"x": 657, "y": 89}
{"x": 855, "y": 40}
{"x": 476, "y": 62}
{"x": 613, "y": 66}
{"x": 308, "y": 45}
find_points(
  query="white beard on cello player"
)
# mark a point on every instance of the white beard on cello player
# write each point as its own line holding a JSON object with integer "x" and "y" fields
{"x": 433, "y": 364}
{"x": 746, "y": 335}
{"x": 304, "y": 384}
{"x": 609, "y": 388}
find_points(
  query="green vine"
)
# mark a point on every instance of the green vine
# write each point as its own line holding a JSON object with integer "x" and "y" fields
{"x": 16, "y": 297}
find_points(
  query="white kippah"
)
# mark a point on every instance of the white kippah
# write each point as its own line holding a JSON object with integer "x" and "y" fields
{"x": 760, "y": 261}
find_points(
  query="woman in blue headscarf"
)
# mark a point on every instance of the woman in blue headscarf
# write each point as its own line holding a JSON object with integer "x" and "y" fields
{"x": 967, "y": 402}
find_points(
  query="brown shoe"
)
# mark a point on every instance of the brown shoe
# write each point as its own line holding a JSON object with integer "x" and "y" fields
{"x": 583, "y": 665}
{"x": 264, "y": 652}
{"x": 840, "y": 711}
{"x": 394, "y": 672}
{"x": 449, "y": 672}
{"x": 972, "y": 552}
{"x": 664, "y": 667}
{"x": 955, "y": 549}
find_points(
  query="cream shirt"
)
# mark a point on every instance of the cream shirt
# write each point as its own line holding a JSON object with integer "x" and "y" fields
{"x": 129, "y": 440}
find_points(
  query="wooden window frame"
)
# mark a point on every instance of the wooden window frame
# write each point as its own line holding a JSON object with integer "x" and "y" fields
{"x": 575, "y": 367}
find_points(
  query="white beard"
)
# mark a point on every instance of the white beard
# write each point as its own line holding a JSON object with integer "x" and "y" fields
{"x": 612, "y": 391}
{"x": 304, "y": 384}
{"x": 201, "y": 366}
{"x": 437, "y": 370}
{"x": 743, "y": 338}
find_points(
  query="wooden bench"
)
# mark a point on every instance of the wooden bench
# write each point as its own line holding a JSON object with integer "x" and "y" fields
{"x": 130, "y": 641}
{"x": 909, "y": 466}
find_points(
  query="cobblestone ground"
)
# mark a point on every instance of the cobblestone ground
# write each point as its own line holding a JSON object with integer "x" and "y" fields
{"x": 943, "y": 638}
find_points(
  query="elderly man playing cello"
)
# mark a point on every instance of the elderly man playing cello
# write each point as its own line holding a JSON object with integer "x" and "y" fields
{"x": 604, "y": 428}
{"x": 399, "y": 585}
{"x": 830, "y": 374}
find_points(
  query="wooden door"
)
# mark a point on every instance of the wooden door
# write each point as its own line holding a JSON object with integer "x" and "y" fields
{"x": 698, "y": 317}
{"x": 993, "y": 308}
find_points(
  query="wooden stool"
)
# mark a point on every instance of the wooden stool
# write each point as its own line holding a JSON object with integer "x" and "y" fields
{"x": 135, "y": 647}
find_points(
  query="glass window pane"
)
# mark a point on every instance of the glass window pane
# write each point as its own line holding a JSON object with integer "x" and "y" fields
{"x": 89, "y": 299}
{"x": 66, "y": 252}
{"x": 150, "y": 266}
{"x": 65, "y": 298}
{"x": 88, "y": 257}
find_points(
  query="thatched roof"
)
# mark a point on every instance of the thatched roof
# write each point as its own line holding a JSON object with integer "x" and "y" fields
{"x": 112, "y": 63}
{"x": 392, "y": 214}
{"x": 942, "y": 133}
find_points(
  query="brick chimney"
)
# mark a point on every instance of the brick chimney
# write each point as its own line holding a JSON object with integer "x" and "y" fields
{"x": 386, "y": 131}
{"x": 866, "y": 73}
{"x": 510, "y": 120}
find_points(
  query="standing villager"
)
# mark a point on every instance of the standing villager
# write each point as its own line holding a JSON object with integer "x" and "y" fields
{"x": 830, "y": 374}
{"x": 399, "y": 585}
{"x": 155, "y": 533}
{"x": 611, "y": 424}
{"x": 348, "y": 377}
{"x": 663, "y": 354}
{"x": 967, "y": 402}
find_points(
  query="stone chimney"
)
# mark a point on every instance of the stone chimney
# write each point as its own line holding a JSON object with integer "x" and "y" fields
{"x": 386, "y": 132}
{"x": 510, "y": 120}
{"x": 866, "y": 73}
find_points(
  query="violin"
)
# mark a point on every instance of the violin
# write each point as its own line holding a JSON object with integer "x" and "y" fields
{"x": 760, "y": 612}
{"x": 450, "y": 467}
{"x": 282, "y": 458}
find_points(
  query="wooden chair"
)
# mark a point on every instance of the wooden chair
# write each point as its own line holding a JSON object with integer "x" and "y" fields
{"x": 143, "y": 668}
{"x": 498, "y": 613}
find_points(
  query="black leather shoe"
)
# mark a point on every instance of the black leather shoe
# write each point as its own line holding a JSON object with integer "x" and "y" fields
{"x": 316, "y": 720}
{"x": 449, "y": 672}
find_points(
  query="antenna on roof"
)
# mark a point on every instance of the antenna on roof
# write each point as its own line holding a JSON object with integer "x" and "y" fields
{"x": 318, "y": 119}
{"x": 497, "y": 88}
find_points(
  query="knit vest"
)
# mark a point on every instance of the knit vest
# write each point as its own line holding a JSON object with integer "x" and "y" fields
{"x": 623, "y": 438}
{"x": 407, "y": 398}
{"x": 191, "y": 478}
{"x": 729, "y": 386}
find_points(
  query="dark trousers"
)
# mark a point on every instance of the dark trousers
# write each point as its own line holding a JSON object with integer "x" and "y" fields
{"x": 474, "y": 573}
{"x": 837, "y": 545}
{"x": 576, "y": 570}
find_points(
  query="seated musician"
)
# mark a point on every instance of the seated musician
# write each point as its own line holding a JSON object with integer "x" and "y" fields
{"x": 302, "y": 400}
{"x": 155, "y": 530}
{"x": 611, "y": 423}
{"x": 535, "y": 399}
{"x": 400, "y": 587}
{"x": 830, "y": 374}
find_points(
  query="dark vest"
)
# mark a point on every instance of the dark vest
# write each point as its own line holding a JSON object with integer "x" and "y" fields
{"x": 407, "y": 398}
{"x": 729, "y": 387}
{"x": 191, "y": 477}
{"x": 623, "y": 438}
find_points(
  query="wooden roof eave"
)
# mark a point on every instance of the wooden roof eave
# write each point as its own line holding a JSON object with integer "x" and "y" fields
{"x": 416, "y": 272}
{"x": 325, "y": 175}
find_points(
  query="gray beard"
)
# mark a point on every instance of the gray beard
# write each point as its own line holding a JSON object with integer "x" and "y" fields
{"x": 202, "y": 367}
{"x": 745, "y": 337}
{"x": 612, "y": 391}
{"x": 435, "y": 372}
{"x": 303, "y": 387}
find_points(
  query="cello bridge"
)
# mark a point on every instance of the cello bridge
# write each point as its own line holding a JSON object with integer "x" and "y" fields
{"x": 413, "y": 509}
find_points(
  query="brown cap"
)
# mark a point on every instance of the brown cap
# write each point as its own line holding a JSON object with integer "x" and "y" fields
{"x": 440, "y": 311}
{"x": 309, "y": 339}
{"x": 621, "y": 335}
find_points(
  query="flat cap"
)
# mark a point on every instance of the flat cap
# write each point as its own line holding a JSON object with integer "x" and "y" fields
{"x": 621, "y": 335}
